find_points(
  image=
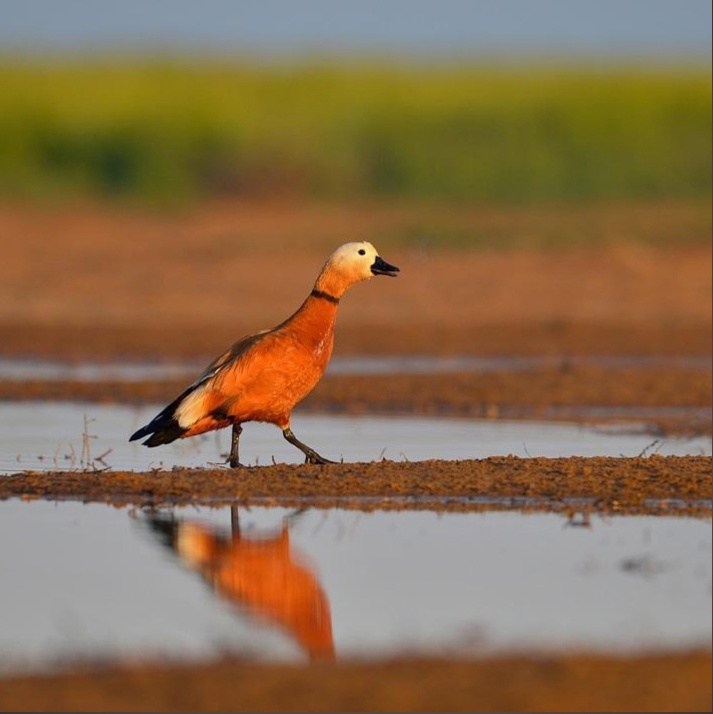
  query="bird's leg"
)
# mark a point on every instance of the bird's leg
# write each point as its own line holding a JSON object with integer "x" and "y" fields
{"x": 233, "y": 459}
{"x": 311, "y": 456}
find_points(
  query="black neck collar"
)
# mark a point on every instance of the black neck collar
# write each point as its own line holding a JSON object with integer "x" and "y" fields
{"x": 325, "y": 296}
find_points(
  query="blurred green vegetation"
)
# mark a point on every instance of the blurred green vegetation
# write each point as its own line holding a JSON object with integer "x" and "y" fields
{"x": 180, "y": 131}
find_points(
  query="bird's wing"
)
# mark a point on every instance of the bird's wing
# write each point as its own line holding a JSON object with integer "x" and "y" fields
{"x": 234, "y": 354}
{"x": 231, "y": 357}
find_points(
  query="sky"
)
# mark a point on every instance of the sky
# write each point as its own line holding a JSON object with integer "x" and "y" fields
{"x": 599, "y": 28}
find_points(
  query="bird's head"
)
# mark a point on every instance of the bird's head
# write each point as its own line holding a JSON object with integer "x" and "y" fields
{"x": 350, "y": 264}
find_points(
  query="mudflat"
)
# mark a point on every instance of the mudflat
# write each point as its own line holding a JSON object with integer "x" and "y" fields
{"x": 649, "y": 484}
{"x": 574, "y": 682}
{"x": 87, "y": 282}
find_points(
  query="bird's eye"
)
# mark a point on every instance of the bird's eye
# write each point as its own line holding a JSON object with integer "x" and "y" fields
{"x": 362, "y": 251}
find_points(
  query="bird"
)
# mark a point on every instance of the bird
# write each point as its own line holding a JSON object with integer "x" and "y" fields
{"x": 263, "y": 376}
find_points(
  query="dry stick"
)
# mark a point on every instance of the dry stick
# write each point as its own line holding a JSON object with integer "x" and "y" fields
{"x": 650, "y": 446}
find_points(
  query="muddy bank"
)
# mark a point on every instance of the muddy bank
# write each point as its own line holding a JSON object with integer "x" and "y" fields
{"x": 467, "y": 394}
{"x": 649, "y": 484}
{"x": 91, "y": 282}
{"x": 679, "y": 682}
{"x": 71, "y": 342}
{"x": 641, "y": 264}
{"x": 579, "y": 394}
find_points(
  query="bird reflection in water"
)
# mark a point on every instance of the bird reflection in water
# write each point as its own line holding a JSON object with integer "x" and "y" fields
{"x": 261, "y": 574}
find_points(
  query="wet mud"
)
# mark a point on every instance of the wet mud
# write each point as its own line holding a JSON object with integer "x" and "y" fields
{"x": 577, "y": 394}
{"x": 202, "y": 341}
{"x": 575, "y": 682}
{"x": 648, "y": 484}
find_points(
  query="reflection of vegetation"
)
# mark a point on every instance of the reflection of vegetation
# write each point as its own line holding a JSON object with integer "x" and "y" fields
{"x": 158, "y": 131}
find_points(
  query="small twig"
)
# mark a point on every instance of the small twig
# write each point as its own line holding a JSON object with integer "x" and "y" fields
{"x": 71, "y": 457}
{"x": 650, "y": 446}
{"x": 100, "y": 458}
{"x": 86, "y": 452}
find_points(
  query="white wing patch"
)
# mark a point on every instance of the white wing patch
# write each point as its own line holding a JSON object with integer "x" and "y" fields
{"x": 190, "y": 410}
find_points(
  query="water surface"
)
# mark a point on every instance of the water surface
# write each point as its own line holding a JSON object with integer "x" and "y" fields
{"x": 73, "y": 436}
{"x": 94, "y": 581}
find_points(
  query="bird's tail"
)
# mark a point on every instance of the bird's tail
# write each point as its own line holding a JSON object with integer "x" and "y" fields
{"x": 164, "y": 427}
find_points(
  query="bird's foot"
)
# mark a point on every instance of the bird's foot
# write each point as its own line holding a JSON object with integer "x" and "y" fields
{"x": 311, "y": 456}
{"x": 314, "y": 458}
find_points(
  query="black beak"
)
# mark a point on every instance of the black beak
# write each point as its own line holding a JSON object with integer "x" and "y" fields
{"x": 381, "y": 267}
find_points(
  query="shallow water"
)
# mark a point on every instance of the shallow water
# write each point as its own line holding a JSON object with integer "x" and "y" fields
{"x": 92, "y": 580}
{"x": 19, "y": 369}
{"x": 69, "y": 436}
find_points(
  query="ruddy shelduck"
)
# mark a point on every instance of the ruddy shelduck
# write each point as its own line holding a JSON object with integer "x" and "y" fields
{"x": 263, "y": 376}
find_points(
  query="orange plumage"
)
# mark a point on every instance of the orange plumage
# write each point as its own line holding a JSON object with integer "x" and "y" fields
{"x": 263, "y": 376}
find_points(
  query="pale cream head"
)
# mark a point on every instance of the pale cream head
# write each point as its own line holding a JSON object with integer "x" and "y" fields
{"x": 350, "y": 264}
